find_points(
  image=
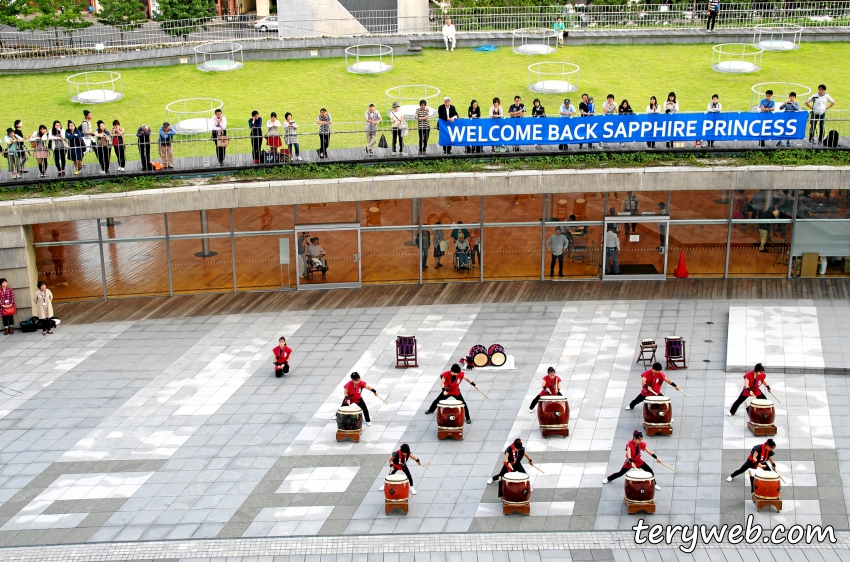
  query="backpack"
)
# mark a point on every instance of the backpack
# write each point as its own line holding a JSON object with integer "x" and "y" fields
{"x": 831, "y": 139}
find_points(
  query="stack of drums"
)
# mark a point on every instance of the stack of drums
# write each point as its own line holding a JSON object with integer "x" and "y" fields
{"x": 516, "y": 493}
{"x": 396, "y": 492}
{"x": 497, "y": 355}
{"x": 761, "y": 414}
{"x": 658, "y": 415}
{"x": 349, "y": 422}
{"x": 450, "y": 416}
{"x": 640, "y": 491}
{"x": 553, "y": 414}
{"x": 766, "y": 489}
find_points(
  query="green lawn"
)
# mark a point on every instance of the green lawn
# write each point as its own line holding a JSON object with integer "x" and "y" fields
{"x": 303, "y": 86}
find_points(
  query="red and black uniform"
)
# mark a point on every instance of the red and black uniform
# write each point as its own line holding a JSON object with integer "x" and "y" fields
{"x": 751, "y": 388}
{"x": 654, "y": 381}
{"x": 633, "y": 451}
{"x": 451, "y": 386}
{"x": 514, "y": 464}
{"x": 354, "y": 395}
{"x": 398, "y": 461}
{"x": 551, "y": 382}
{"x": 758, "y": 455}
{"x": 281, "y": 364}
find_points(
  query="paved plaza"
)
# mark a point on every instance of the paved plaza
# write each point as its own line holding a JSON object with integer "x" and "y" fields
{"x": 172, "y": 440}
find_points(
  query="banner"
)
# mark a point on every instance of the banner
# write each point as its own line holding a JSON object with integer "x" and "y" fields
{"x": 624, "y": 128}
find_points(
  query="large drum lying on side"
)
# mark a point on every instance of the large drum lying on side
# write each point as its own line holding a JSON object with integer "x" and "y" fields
{"x": 396, "y": 492}
{"x": 479, "y": 356}
{"x": 516, "y": 493}
{"x": 450, "y": 416}
{"x": 349, "y": 422}
{"x": 553, "y": 414}
{"x": 761, "y": 416}
{"x": 497, "y": 355}
{"x": 640, "y": 491}
{"x": 766, "y": 489}
{"x": 658, "y": 415}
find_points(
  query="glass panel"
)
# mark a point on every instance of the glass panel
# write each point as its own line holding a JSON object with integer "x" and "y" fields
{"x": 636, "y": 203}
{"x": 133, "y": 227}
{"x": 778, "y": 203}
{"x": 704, "y": 246}
{"x": 189, "y": 222}
{"x": 257, "y": 219}
{"x": 824, "y": 204}
{"x": 337, "y": 249}
{"x": 512, "y": 252}
{"x": 639, "y": 248}
{"x": 195, "y": 274}
{"x": 826, "y": 238}
{"x": 513, "y": 208}
{"x": 71, "y": 272}
{"x": 388, "y": 212}
{"x": 135, "y": 269}
{"x": 745, "y": 257}
{"x": 585, "y": 206}
{"x": 584, "y": 257}
{"x": 65, "y": 231}
{"x": 326, "y": 213}
{"x": 451, "y": 210}
{"x": 439, "y": 243}
{"x": 700, "y": 205}
{"x": 258, "y": 264}
{"x": 390, "y": 256}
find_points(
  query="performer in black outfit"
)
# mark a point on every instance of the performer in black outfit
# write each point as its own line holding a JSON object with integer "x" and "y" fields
{"x": 512, "y": 463}
{"x": 759, "y": 458}
{"x": 398, "y": 461}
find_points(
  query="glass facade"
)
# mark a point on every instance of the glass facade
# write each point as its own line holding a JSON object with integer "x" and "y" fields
{"x": 750, "y": 233}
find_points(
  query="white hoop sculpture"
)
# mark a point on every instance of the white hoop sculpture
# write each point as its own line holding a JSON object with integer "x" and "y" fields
{"x": 369, "y": 59}
{"x": 533, "y": 41}
{"x": 780, "y": 93}
{"x": 553, "y": 77}
{"x": 408, "y": 98}
{"x": 97, "y": 86}
{"x": 218, "y": 57}
{"x": 736, "y": 58}
{"x": 192, "y": 115}
{"x": 778, "y": 36}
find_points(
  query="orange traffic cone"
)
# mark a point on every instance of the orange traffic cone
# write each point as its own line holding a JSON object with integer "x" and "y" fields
{"x": 681, "y": 271}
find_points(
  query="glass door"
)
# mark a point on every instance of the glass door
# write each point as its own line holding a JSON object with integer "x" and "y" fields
{"x": 328, "y": 256}
{"x": 635, "y": 247}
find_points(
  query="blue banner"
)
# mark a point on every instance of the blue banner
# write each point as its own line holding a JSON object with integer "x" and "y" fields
{"x": 624, "y": 128}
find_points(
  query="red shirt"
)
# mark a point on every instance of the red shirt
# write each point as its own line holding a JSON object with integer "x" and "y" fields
{"x": 753, "y": 383}
{"x": 352, "y": 390}
{"x": 633, "y": 451}
{"x": 550, "y": 383}
{"x": 282, "y": 354}
{"x": 452, "y": 388}
{"x": 654, "y": 380}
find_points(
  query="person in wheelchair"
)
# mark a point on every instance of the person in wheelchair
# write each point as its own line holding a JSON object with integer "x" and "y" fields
{"x": 316, "y": 257}
{"x": 462, "y": 252}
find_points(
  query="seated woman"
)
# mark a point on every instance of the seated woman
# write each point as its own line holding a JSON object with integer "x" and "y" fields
{"x": 317, "y": 256}
{"x": 462, "y": 251}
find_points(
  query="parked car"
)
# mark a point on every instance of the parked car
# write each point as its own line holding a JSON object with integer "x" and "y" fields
{"x": 267, "y": 23}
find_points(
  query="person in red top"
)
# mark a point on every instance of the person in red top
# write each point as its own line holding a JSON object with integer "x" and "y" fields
{"x": 759, "y": 458}
{"x": 512, "y": 463}
{"x": 398, "y": 461}
{"x": 282, "y": 352}
{"x": 755, "y": 379}
{"x": 450, "y": 382}
{"x": 352, "y": 390}
{"x": 651, "y": 382}
{"x": 633, "y": 450}
{"x": 551, "y": 387}
{"x": 7, "y": 307}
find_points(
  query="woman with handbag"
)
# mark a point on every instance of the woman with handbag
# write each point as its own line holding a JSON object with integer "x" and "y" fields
{"x": 273, "y": 134}
{"x": 76, "y": 146}
{"x": 38, "y": 141}
{"x": 7, "y": 303}
{"x": 103, "y": 146}
{"x": 13, "y": 152}
{"x": 117, "y": 134}
{"x": 324, "y": 122}
{"x": 58, "y": 146}
{"x": 43, "y": 302}
{"x": 219, "y": 136}
{"x": 255, "y": 123}
{"x": 290, "y": 135}
{"x": 399, "y": 128}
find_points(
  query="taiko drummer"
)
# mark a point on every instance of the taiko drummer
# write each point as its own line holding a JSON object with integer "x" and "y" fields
{"x": 352, "y": 391}
{"x": 282, "y": 353}
{"x": 398, "y": 461}
{"x": 450, "y": 381}
{"x": 754, "y": 379}
{"x": 651, "y": 382}
{"x": 512, "y": 463}
{"x": 759, "y": 457}
{"x": 551, "y": 387}
{"x": 634, "y": 448}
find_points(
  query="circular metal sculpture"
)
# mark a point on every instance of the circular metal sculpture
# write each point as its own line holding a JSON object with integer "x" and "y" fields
{"x": 218, "y": 56}
{"x": 533, "y": 41}
{"x": 96, "y": 86}
{"x": 369, "y": 59}
{"x": 192, "y": 115}
{"x": 780, "y": 93}
{"x": 778, "y": 36}
{"x": 736, "y": 58}
{"x": 409, "y": 96}
{"x": 553, "y": 77}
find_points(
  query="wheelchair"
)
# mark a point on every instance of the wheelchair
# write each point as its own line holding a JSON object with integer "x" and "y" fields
{"x": 463, "y": 260}
{"x": 315, "y": 264}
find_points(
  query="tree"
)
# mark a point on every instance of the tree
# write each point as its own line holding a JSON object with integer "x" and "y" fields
{"x": 56, "y": 14}
{"x": 122, "y": 14}
{"x": 172, "y": 10}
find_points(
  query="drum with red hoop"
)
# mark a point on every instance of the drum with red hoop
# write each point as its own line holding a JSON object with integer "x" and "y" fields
{"x": 516, "y": 487}
{"x": 497, "y": 355}
{"x": 657, "y": 410}
{"x": 450, "y": 416}
{"x": 553, "y": 414}
{"x": 396, "y": 492}
{"x": 766, "y": 485}
{"x": 479, "y": 356}
{"x": 640, "y": 486}
{"x": 761, "y": 412}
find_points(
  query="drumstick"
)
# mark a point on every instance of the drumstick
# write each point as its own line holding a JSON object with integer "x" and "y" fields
{"x": 532, "y": 464}
{"x": 667, "y": 465}
{"x": 774, "y": 396}
{"x": 652, "y": 391}
{"x": 424, "y": 466}
{"x": 683, "y": 392}
{"x": 381, "y": 399}
{"x": 773, "y": 466}
{"x": 478, "y": 389}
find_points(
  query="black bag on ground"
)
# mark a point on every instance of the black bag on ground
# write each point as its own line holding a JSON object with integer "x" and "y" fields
{"x": 30, "y": 325}
{"x": 831, "y": 139}
{"x": 383, "y": 142}
{"x": 271, "y": 158}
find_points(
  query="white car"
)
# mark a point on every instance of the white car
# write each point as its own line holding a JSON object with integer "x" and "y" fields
{"x": 267, "y": 23}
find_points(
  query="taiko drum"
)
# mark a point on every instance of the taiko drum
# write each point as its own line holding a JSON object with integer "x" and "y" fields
{"x": 657, "y": 410}
{"x": 553, "y": 412}
{"x": 516, "y": 487}
{"x": 761, "y": 412}
{"x": 640, "y": 486}
{"x": 450, "y": 414}
{"x": 766, "y": 485}
{"x": 396, "y": 488}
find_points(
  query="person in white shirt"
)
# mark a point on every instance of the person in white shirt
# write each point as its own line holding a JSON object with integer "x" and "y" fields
{"x": 714, "y": 106}
{"x": 818, "y": 103}
{"x": 671, "y": 106}
{"x": 273, "y": 135}
{"x": 609, "y": 108}
{"x": 557, "y": 244}
{"x": 652, "y": 109}
{"x": 612, "y": 246}
{"x": 449, "y": 34}
{"x": 567, "y": 110}
{"x": 496, "y": 112}
{"x": 373, "y": 118}
{"x": 219, "y": 129}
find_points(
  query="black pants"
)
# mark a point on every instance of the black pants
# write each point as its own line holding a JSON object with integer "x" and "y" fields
{"x": 145, "y": 156}
{"x": 625, "y": 469}
{"x": 424, "y": 258}
{"x": 284, "y": 369}
{"x": 517, "y": 467}
{"x": 103, "y": 154}
{"x": 633, "y": 225}
{"x": 458, "y": 397}
{"x": 220, "y": 151}
{"x": 476, "y": 250}
{"x": 45, "y": 324}
{"x": 119, "y": 155}
{"x": 537, "y": 399}
{"x": 42, "y": 165}
{"x": 560, "y": 259}
{"x": 324, "y": 143}
{"x": 650, "y": 145}
{"x": 816, "y": 121}
{"x": 9, "y": 321}
{"x": 748, "y": 465}
{"x": 256, "y": 147}
{"x": 398, "y": 138}
{"x": 740, "y": 400}
{"x": 362, "y": 405}
{"x": 423, "y": 139}
{"x": 59, "y": 159}
{"x": 638, "y": 399}
{"x": 712, "y": 18}
{"x": 406, "y": 471}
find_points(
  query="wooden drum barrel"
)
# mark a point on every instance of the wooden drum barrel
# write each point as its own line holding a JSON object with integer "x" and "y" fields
{"x": 761, "y": 412}
{"x": 516, "y": 493}
{"x": 396, "y": 491}
{"x": 657, "y": 415}
{"x": 349, "y": 422}
{"x": 640, "y": 486}
{"x": 450, "y": 416}
{"x": 479, "y": 356}
{"x": 553, "y": 414}
{"x": 766, "y": 485}
{"x": 497, "y": 355}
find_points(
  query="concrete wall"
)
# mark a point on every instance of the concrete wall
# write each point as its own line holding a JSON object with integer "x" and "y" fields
{"x": 18, "y": 258}
{"x": 308, "y": 18}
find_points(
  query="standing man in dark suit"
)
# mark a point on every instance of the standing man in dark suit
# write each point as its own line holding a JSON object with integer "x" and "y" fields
{"x": 447, "y": 112}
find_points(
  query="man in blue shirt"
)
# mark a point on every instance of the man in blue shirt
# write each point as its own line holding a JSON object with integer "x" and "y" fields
{"x": 791, "y": 105}
{"x": 767, "y": 105}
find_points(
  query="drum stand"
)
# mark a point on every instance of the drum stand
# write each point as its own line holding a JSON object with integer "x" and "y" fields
{"x": 548, "y": 430}
{"x": 675, "y": 360}
{"x": 353, "y": 434}
{"x": 656, "y": 428}
{"x": 647, "y": 354}
{"x": 635, "y": 506}
{"x": 764, "y": 502}
{"x": 406, "y": 352}
{"x": 390, "y": 505}
{"x": 453, "y": 432}
{"x": 512, "y": 507}
{"x": 760, "y": 429}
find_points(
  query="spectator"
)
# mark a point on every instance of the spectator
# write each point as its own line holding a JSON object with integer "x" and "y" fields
{"x": 457, "y": 231}
{"x": 585, "y": 110}
{"x": 557, "y": 244}
{"x": 559, "y": 31}
{"x": 767, "y": 105}
{"x": 7, "y": 304}
{"x": 447, "y": 112}
{"x": 714, "y": 106}
{"x": 219, "y": 136}
{"x": 819, "y": 104}
{"x": 439, "y": 238}
{"x": 272, "y": 135}
{"x": 789, "y": 106}
{"x": 496, "y": 112}
{"x": 652, "y": 109}
{"x": 103, "y": 146}
{"x": 87, "y": 132}
{"x": 255, "y": 123}
{"x": 303, "y": 242}
{"x": 372, "y": 119}
{"x": 39, "y": 142}
{"x": 324, "y": 122}
{"x": 612, "y": 246}
{"x": 13, "y": 153}
{"x": 764, "y": 229}
{"x": 424, "y": 242}
{"x": 57, "y": 145}
{"x": 537, "y": 110}
{"x": 741, "y": 208}
{"x": 43, "y": 302}
{"x": 662, "y": 226}
{"x": 315, "y": 252}
{"x": 76, "y": 146}
{"x": 612, "y": 212}
{"x": 462, "y": 251}
{"x": 475, "y": 244}
{"x": 567, "y": 110}
{"x": 449, "y": 33}
{"x": 630, "y": 206}
{"x": 22, "y": 154}
{"x": 624, "y": 109}
{"x": 516, "y": 110}
{"x": 423, "y": 127}
{"x": 713, "y": 12}
{"x": 166, "y": 151}
{"x": 143, "y": 136}
{"x": 474, "y": 112}
{"x": 609, "y": 108}
{"x": 290, "y": 135}
{"x": 117, "y": 134}
{"x": 671, "y": 107}
{"x": 398, "y": 123}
